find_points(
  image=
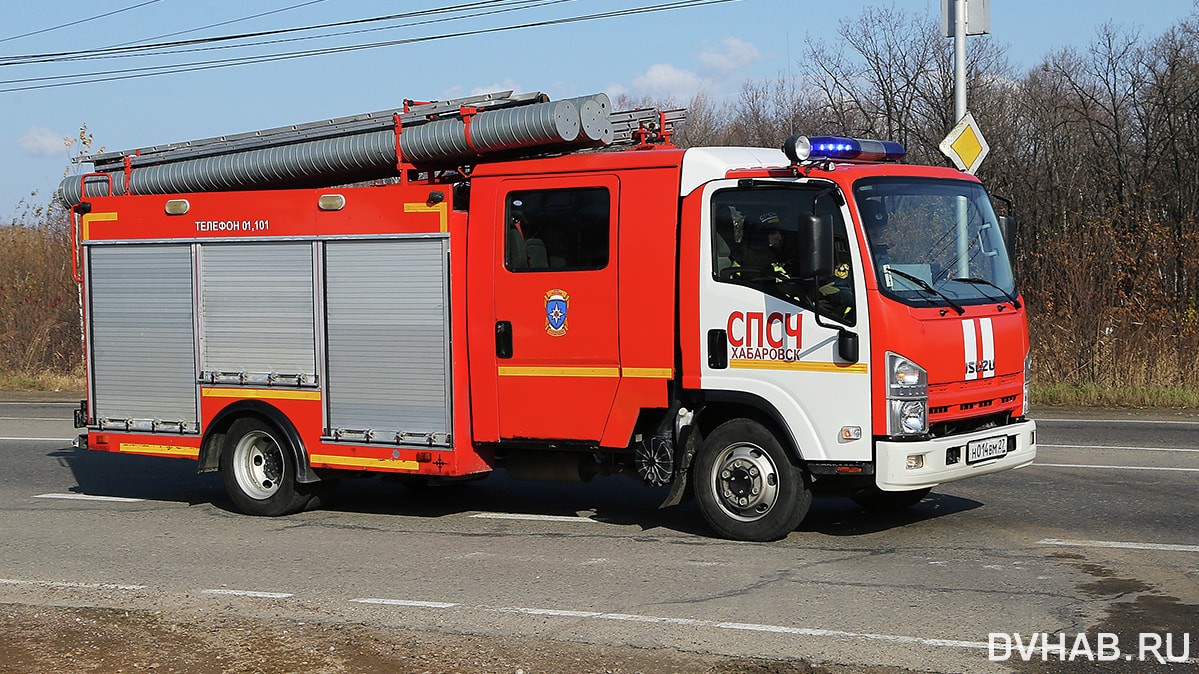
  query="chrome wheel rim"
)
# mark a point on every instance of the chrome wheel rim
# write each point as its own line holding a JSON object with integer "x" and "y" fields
{"x": 258, "y": 465}
{"x": 746, "y": 482}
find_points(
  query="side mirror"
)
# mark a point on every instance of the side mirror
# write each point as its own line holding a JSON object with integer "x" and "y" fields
{"x": 847, "y": 345}
{"x": 815, "y": 258}
{"x": 1008, "y": 229}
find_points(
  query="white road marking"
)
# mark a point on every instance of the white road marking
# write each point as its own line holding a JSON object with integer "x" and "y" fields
{"x": 533, "y": 518}
{"x": 250, "y": 593}
{"x": 1114, "y": 421}
{"x": 36, "y": 440}
{"x": 852, "y": 635}
{"x": 89, "y": 497}
{"x": 1140, "y": 449}
{"x": 33, "y": 402}
{"x": 558, "y": 613}
{"x": 405, "y": 602}
{"x": 653, "y": 619}
{"x": 752, "y": 627}
{"x": 85, "y": 586}
{"x": 1089, "y": 465}
{"x": 1120, "y": 544}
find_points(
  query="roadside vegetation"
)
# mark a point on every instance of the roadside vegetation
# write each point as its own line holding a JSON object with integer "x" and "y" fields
{"x": 1097, "y": 147}
{"x": 40, "y": 346}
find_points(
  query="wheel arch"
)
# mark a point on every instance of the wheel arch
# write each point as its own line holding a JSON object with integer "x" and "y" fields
{"x": 722, "y": 406}
{"x": 213, "y": 442}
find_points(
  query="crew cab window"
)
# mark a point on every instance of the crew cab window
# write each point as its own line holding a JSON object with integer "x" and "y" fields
{"x": 755, "y": 241}
{"x": 557, "y": 229}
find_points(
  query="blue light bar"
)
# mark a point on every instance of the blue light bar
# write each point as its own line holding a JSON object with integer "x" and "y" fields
{"x": 834, "y": 148}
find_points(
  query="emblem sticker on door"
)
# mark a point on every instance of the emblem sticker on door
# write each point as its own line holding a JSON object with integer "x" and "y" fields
{"x": 556, "y": 304}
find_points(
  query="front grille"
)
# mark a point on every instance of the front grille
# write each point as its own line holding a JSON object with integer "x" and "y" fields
{"x": 942, "y": 429}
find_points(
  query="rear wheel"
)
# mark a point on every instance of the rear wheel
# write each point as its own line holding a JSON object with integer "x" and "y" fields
{"x": 747, "y": 486}
{"x": 259, "y": 470}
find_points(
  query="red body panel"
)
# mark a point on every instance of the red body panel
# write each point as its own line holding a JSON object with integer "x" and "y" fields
{"x": 616, "y": 355}
{"x": 267, "y": 215}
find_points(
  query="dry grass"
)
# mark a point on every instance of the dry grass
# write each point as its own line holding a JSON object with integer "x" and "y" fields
{"x": 40, "y": 346}
{"x": 1090, "y": 395}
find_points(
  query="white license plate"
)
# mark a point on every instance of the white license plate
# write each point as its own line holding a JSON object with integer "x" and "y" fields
{"x": 988, "y": 448}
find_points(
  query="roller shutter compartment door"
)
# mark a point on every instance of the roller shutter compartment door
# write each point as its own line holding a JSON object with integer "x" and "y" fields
{"x": 142, "y": 344}
{"x": 387, "y": 317}
{"x": 256, "y": 311}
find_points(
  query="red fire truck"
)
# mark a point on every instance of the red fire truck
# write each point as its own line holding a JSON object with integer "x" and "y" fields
{"x": 550, "y": 288}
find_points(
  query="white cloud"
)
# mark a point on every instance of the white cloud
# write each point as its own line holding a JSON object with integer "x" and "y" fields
{"x": 734, "y": 62}
{"x": 718, "y": 68}
{"x": 666, "y": 80}
{"x": 41, "y": 141}
{"x": 615, "y": 90}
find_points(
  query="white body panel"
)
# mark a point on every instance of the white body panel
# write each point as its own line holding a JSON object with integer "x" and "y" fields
{"x": 892, "y": 473}
{"x": 815, "y": 392}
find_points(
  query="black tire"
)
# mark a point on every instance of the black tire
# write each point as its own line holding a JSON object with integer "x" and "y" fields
{"x": 747, "y": 486}
{"x": 259, "y": 470}
{"x": 877, "y": 500}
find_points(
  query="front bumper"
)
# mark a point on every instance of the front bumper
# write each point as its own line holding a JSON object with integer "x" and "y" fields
{"x": 891, "y": 458}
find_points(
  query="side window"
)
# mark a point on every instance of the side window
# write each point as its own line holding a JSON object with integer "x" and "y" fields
{"x": 755, "y": 242}
{"x": 557, "y": 229}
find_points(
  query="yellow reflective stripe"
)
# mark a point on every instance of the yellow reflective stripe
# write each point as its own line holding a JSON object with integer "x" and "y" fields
{"x": 172, "y": 450}
{"x": 439, "y": 209}
{"x": 610, "y": 372}
{"x": 559, "y": 371}
{"x": 261, "y": 393}
{"x": 94, "y": 217}
{"x": 363, "y": 462}
{"x": 647, "y": 372}
{"x": 798, "y": 366}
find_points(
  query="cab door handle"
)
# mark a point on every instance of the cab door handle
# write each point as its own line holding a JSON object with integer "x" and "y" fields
{"x": 503, "y": 339}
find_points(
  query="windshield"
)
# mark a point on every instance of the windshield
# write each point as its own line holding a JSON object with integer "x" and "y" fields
{"x": 934, "y": 242}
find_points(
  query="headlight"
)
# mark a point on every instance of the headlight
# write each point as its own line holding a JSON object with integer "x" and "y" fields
{"x": 1027, "y": 384}
{"x": 907, "y": 396}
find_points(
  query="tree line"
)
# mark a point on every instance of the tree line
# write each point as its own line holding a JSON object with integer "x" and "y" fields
{"x": 1098, "y": 147}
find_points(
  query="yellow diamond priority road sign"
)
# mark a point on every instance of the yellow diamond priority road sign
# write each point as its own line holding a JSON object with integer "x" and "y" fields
{"x": 965, "y": 145}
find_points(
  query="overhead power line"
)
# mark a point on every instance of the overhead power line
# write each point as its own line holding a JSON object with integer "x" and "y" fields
{"x": 76, "y": 23}
{"x": 159, "y": 48}
{"x": 150, "y": 71}
{"x": 221, "y": 23}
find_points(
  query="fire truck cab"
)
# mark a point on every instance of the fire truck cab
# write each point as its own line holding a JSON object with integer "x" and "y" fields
{"x": 750, "y": 326}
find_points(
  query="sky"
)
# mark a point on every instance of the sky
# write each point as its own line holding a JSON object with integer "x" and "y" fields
{"x": 714, "y": 48}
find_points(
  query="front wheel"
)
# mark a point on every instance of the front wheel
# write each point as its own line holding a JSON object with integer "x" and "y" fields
{"x": 747, "y": 486}
{"x": 259, "y": 470}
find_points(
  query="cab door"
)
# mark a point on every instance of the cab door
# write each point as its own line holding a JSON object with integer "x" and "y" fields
{"x": 555, "y": 306}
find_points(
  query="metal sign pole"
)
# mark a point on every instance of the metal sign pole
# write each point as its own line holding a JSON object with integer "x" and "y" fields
{"x": 959, "y": 60}
{"x": 959, "y": 112}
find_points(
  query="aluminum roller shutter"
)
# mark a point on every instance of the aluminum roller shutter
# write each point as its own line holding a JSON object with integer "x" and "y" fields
{"x": 387, "y": 311}
{"x": 256, "y": 311}
{"x": 142, "y": 347}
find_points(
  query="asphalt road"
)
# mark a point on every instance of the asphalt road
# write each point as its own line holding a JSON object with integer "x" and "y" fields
{"x": 1099, "y": 537}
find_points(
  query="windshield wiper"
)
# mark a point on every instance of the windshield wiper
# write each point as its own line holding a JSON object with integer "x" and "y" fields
{"x": 923, "y": 285}
{"x": 983, "y": 282}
